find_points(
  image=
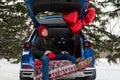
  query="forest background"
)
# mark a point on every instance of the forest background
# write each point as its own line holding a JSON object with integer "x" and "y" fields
{"x": 104, "y": 32}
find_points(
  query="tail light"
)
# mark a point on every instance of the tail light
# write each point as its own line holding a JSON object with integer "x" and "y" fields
{"x": 87, "y": 44}
{"x": 26, "y": 66}
{"x": 27, "y": 45}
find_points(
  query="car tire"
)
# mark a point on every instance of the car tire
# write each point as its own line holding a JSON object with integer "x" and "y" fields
{"x": 94, "y": 75}
{"x": 26, "y": 78}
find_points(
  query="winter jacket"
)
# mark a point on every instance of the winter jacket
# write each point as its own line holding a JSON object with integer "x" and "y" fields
{"x": 42, "y": 44}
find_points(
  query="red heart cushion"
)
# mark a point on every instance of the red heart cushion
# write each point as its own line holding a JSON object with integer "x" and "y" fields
{"x": 90, "y": 14}
{"x": 70, "y": 17}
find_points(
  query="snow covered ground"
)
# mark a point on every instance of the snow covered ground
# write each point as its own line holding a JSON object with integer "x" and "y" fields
{"x": 105, "y": 71}
{"x": 9, "y": 71}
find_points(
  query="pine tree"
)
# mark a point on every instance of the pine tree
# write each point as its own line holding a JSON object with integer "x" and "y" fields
{"x": 13, "y": 28}
{"x": 103, "y": 40}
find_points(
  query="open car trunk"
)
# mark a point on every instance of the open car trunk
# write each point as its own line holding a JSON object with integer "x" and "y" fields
{"x": 63, "y": 40}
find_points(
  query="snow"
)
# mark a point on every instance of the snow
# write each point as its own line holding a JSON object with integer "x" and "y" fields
{"x": 9, "y": 71}
{"x": 105, "y": 70}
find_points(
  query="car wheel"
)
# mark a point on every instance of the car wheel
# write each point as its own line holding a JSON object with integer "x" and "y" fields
{"x": 87, "y": 78}
{"x": 94, "y": 75}
{"x": 26, "y": 78}
{"x": 84, "y": 78}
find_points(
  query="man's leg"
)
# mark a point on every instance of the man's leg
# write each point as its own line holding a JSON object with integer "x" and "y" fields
{"x": 81, "y": 63}
{"x": 65, "y": 57}
{"x": 45, "y": 63}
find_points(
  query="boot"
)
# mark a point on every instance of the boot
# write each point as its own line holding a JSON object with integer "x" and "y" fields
{"x": 82, "y": 63}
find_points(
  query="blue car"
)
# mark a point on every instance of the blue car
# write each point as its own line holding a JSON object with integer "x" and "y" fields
{"x": 61, "y": 36}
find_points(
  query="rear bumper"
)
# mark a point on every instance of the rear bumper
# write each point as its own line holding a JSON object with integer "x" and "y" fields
{"x": 88, "y": 72}
{"x": 26, "y": 73}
